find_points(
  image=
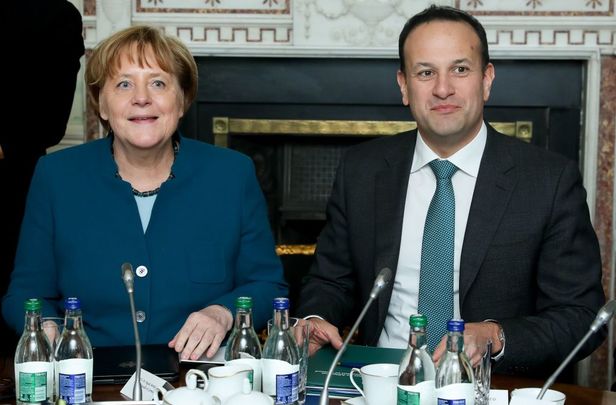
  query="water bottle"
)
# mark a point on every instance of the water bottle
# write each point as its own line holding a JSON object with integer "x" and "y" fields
{"x": 243, "y": 344}
{"x": 417, "y": 372}
{"x": 280, "y": 363}
{"x": 454, "y": 375}
{"x": 73, "y": 357}
{"x": 33, "y": 359}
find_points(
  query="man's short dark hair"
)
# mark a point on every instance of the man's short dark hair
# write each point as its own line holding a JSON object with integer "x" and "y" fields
{"x": 444, "y": 13}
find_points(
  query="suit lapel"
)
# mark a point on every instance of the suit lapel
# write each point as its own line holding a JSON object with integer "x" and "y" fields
{"x": 495, "y": 182}
{"x": 391, "y": 186}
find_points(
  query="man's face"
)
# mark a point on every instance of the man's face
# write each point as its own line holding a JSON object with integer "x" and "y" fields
{"x": 444, "y": 83}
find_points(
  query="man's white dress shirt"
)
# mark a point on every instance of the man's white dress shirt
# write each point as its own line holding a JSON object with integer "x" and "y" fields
{"x": 421, "y": 187}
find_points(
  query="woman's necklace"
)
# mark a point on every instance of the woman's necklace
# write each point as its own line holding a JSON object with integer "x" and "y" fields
{"x": 150, "y": 193}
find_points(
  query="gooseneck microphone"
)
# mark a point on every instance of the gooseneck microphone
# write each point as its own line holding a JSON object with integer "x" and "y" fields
{"x": 379, "y": 283}
{"x": 129, "y": 278}
{"x": 603, "y": 316}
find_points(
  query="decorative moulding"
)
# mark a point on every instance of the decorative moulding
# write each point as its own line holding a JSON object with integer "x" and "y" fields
{"x": 361, "y": 28}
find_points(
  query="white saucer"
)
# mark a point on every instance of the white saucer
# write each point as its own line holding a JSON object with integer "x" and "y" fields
{"x": 354, "y": 401}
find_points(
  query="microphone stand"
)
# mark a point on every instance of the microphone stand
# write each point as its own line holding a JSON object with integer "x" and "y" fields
{"x": 603, "y": 316}
{"x": 562, "y": 366}
{"x": 137, "y": 390}
{"x": 381, "y": 280}
{"x": 127, "y": 276}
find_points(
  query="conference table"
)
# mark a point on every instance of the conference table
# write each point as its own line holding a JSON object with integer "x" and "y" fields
{"x": 576, "y": 395}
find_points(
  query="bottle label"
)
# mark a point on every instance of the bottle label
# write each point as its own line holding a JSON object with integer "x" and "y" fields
{"x": 408, "y": 397}
{"x": 418, "y": 394}
{"x": 74, "y": 380}
{"x": 287, "y": 388}
{"x": 281, "y": 380}
{"x": 456, "y": 394}
{"x": 72, "y": 388}
{"x": 32, "y": 387}
{"x": 442, "y": 401}
{"x": 34, "y": 381}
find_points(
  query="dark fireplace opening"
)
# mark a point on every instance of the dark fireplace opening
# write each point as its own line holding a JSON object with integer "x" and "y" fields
{"x": 296, "y": 172}
{"x": 296, "y": 176}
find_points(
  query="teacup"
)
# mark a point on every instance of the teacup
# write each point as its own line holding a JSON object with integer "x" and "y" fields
{"x": 190, "y": 394}
{"x": 255, "y": 364}
{"x": 379, "y": 381}
{"x": 226, "y": 381}
{"x": 529, "y": 396}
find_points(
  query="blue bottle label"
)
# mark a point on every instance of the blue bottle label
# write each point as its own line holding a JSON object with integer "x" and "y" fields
{"x": 442, "y": 401}
{"x": 72, "y": 388}
{"x": 287, "y": 388}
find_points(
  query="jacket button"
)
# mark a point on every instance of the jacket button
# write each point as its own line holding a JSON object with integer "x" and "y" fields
{"x": 141, "y": 271}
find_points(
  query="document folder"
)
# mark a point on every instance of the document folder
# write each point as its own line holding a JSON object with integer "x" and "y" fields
{"x": 354, "y": 356}
{"x": 116, "y": 364}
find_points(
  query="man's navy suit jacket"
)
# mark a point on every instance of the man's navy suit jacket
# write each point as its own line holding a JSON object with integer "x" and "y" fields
{"x": 530, "y": 257}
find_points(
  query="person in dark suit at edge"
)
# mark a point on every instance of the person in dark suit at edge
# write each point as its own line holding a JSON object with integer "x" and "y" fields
{"x": 525, "y": 268}
{"x": 46, "y": 45}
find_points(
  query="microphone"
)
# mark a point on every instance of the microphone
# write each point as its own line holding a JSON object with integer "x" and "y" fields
{"x": 129, "y": 278}
{"x": 379, "y": 283}
{"x": 603, "y": 316}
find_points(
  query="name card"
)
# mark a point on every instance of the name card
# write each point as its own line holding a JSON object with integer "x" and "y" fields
{"x": 149, "y": 386}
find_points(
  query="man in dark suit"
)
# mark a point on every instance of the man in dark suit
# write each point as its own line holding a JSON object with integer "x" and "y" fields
{"x": 525, "y": 268}
{"x": 44, "y": 48}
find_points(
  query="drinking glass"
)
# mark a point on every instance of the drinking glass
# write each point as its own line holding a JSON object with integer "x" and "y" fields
{"x": 479, "y": 351}
{"x": 52, "y": 326}
{"x": 301, "y": 331}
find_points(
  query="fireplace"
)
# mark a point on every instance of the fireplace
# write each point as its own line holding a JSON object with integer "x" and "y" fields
{"x": 296, "y": 116}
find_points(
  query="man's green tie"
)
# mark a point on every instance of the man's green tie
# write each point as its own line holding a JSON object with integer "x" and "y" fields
{"x": 436, "y": 272}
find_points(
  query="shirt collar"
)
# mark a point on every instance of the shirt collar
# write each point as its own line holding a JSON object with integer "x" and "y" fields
{"x": 466, "y": 159}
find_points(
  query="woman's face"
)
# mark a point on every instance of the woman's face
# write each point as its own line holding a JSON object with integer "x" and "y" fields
{"x": 143, "y": 104}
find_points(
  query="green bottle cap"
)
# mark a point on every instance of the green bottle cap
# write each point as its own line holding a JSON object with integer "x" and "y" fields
{"x": 32, "y": 304}
{"x": 418, "y": 321}
{"x": 243, "y": 302}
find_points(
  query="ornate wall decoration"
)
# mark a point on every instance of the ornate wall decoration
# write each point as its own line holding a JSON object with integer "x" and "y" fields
{"x": 214, "y": 6}
{"x": 360, "y": 23}
{"x": 220, "y": 22}
{"x": 234, "y": 35}
{"x": 553, "y": 8}
{"x": 375, "y": 24}
{"x": 359, "y": 27}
